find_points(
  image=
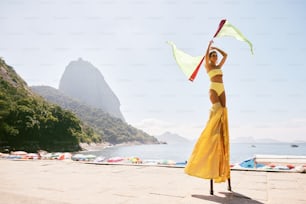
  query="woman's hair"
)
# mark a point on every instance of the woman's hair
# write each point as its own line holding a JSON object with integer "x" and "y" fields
{"x": 212, "y": 52}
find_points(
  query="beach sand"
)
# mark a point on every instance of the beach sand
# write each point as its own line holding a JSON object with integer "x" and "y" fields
{"x": 63, "y": 182}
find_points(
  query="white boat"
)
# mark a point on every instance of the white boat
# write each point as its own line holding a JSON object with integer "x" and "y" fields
{"x": 280, "y": 159}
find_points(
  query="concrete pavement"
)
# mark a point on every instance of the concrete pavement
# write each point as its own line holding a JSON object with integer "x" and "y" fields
{"x": 63, "y": 182}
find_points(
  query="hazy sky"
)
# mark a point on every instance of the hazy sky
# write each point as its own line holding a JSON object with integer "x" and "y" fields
{"x": 126, "y": 41}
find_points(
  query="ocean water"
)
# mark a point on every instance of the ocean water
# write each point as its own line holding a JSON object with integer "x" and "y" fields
{"x": 181, "y": 152}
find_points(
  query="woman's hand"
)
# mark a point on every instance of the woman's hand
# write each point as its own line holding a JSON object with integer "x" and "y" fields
{"x": 207, "y": 52}
{"x": 210, "y": 43}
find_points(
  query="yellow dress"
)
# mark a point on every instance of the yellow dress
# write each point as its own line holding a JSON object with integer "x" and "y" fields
{"x": 210, "y": 156}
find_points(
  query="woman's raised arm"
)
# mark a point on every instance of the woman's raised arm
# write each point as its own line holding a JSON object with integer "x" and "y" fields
{"x": 224, "y": 54}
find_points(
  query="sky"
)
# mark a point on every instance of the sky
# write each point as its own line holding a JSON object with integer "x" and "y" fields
{"x": 126, "y": 41}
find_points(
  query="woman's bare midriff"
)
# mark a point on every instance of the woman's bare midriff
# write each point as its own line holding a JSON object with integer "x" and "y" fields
{"x": 217, "y": 78}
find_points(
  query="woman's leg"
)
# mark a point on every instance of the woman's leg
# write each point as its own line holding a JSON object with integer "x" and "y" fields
{"x": 213, "y": 96}
{"x": 222, "y": 99}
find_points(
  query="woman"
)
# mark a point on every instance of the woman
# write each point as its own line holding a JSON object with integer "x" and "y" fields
{"x": 210, "y": 156}
{"x": 216, "y": 92}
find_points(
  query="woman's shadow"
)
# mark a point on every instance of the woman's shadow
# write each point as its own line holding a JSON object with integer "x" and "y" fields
{"x": 230, "y": 197}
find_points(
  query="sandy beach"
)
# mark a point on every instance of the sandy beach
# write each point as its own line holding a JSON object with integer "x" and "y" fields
{"x": 63, "y": 182}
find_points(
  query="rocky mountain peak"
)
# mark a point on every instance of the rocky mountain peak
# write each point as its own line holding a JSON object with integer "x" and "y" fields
{"x": 82, "y": 81}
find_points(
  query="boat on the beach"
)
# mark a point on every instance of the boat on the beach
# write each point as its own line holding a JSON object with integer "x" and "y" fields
{"x": 83, "y": 157}
{"x": 290, "y": 163}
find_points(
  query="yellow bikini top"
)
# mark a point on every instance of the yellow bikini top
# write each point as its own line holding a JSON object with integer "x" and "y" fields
{"x": 214, "y": 72}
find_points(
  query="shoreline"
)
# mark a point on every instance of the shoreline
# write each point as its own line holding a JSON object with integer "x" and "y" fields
{"x": 171, "y": 154}
{"x": 97, "y": 146}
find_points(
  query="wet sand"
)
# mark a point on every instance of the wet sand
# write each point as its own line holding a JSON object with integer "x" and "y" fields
{"x": 63, "y": 182}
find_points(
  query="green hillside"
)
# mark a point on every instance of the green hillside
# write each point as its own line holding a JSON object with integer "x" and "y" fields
{"x": 28, "y": 122}
{"x": 110, "y": 129}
